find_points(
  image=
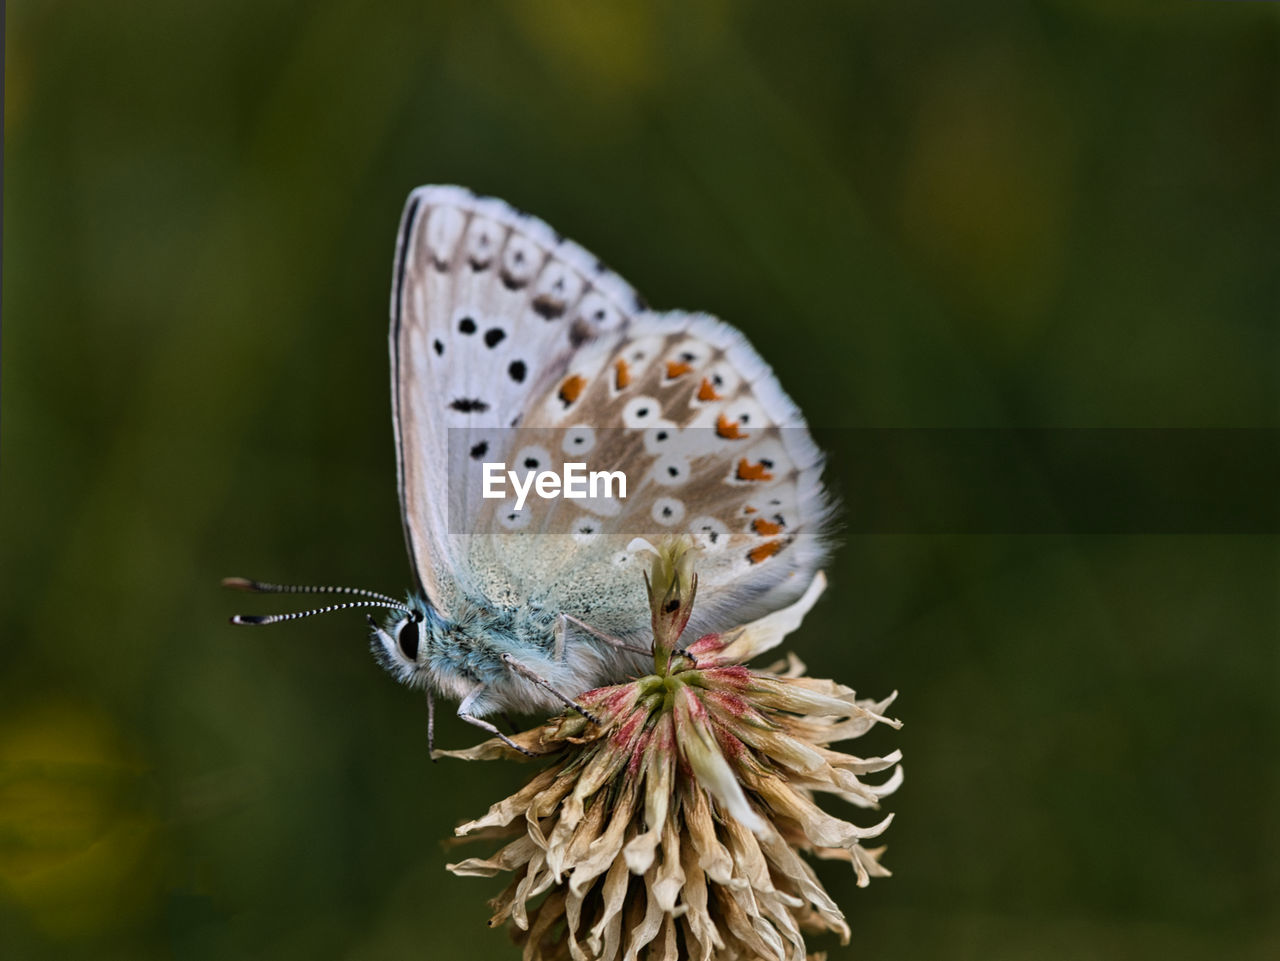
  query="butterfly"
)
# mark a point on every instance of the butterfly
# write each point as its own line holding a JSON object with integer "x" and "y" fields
{"x": 513, "y": 346}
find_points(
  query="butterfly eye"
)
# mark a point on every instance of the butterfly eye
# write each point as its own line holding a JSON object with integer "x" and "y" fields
{"x": 408, "y": 640}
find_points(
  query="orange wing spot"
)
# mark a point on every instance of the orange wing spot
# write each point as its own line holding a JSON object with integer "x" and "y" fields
{"x": 677, "y": 368}
{"x": 622, "y": 379}
{"x": 706, "y": 391}
{"x": 571, "y": 389}
{"x": 764, "y": 551}
{"x": 765, "y": 528}
{"x": 728, "y": 429}
{"x": 752, "y": 472}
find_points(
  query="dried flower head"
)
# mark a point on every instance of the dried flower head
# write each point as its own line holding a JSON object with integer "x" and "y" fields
{"x": 672, "y": 826}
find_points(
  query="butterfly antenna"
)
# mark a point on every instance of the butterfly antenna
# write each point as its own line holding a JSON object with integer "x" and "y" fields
{"x": 276, "y": 618}
{"x": 262, "y": 587}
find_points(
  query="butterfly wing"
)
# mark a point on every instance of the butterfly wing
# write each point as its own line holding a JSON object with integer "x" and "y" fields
{"x": 510, "y": 344}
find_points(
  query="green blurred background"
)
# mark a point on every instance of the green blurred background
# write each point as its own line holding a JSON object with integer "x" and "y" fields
{"x": 1063, "y": 214}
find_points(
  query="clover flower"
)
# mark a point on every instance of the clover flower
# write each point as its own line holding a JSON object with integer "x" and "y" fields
{"x": 674, "y": 825}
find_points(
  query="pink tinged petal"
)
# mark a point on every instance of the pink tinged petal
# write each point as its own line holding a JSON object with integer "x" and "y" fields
{"x": 707, "y": 648}
{"x": 698, "y": 744}
{"x": 746, "y": 642}
{"x": 779, "y": 747}
{"x": 659, "y": 770}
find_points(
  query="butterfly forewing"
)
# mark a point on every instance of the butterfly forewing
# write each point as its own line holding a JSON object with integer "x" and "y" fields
{"x": 511, "y": 345}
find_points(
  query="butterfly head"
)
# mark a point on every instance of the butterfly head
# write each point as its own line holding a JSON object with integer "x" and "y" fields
{"x": 401, "y": 643}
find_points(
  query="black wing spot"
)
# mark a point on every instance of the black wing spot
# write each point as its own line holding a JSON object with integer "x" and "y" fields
{"x": 494, "y": 336}
{"x": 548, "y": 309}
{"x": 480, "y": 450}
{"x": 517, "y": 370}
{"x": 579, "y": 333}
{"x": 469, "y": 404}
{"x": 467, "y": 325}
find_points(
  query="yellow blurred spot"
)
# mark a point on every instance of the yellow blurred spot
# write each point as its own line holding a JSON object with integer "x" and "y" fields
{"x": 610, "y": 46}
{"x": 78, "y": 851}
{"x": 987, "y": 182}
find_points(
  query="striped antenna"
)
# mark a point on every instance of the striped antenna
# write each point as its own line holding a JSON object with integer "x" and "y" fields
{"x": 261, "y": 587}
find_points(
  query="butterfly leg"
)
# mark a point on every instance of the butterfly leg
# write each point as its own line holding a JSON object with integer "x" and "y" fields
{"x": 431, "y": 726}
{"x": 464, "y": 712}
{"x": 615, "y": 642}
{"x": 536, "y": 678}
{"x": 608, "y": 639}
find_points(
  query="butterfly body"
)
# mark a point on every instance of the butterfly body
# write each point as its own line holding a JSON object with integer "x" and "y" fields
{"x": 467, "y": 655}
